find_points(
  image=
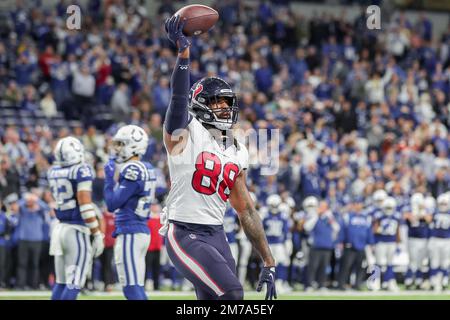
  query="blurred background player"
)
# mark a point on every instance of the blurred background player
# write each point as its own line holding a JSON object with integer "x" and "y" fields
{"x": 207, "y": 167}
{"x": 310, "y": 205}
{"x": 386, "y": 227}
{"x": 439, "y": 243}
{"x": 130, "y": 199}
{"x": 276, "y": 227}
{"x": 70, "y": 179}
{"x": 417, "y": 219}
{"x": 377, "y": 202}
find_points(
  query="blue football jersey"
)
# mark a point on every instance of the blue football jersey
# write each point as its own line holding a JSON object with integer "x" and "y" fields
{"x": 230, "y": 224}
{"x": 373, "y": 211}
{"x": 440, "y": 225}
{"x": 65, "y": 182}
{"x": 388, "y": 227}
{"x": 132, "y": 215}
{"x": 276, "y": 227}
{"x": 417, "y": 229}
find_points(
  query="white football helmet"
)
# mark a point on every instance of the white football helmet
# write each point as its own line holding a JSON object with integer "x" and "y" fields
{"x": 443, "y": 202}
{"x": 128, "y": 142}
{"x": 290, "y": 202}
{"x": 69, "y": 151}
{"x": 273, "y": 201}
{"x": 430, "y": 204}
{"x": 389, "y": 206}
{"x": 284, "y": 208}
{"x": 379, "y": 196}
{"x": 417, "y": 203}
{"x": 310, "y": 204}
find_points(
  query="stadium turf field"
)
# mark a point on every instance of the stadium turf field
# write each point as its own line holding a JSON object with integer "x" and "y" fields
{"x": 252, "y": 295}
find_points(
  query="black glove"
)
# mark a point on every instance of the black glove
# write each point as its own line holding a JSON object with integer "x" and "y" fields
{"x": 268, "y": 276}
{"x": 174, "y": 29}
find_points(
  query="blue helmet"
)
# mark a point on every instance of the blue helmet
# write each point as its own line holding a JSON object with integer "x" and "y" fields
{"x": 208, "y": 91}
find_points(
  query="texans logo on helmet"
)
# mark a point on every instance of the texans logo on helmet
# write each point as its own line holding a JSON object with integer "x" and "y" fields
{"x": 197, "y": 90}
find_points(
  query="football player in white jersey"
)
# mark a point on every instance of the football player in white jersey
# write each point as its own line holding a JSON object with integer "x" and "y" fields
{"x": 439, "y": 243}
{"x": 417, "y": 218}
{"x": 386, "y": 228}
{"x": 70, "y": 180}
{"x": 207, "y": 168}
{"x": 276, "y": 225}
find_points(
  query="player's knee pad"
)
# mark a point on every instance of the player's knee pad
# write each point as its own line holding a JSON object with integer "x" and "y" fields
{"x": 237, "y": 294}
{"x": 57, "y": 291}
{"x": 70, "y": 293}
{"x": 134, "y": 293}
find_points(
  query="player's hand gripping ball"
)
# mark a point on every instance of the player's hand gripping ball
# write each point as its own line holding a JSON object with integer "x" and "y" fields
{"x": 174, "y": 29}
{"x": 268, "y": 276}
{"x": 198, "y": 19}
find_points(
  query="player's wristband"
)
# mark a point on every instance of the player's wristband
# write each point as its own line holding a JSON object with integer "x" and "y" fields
{"x": 92, "y": 225}
{"x": 87, "y": 212}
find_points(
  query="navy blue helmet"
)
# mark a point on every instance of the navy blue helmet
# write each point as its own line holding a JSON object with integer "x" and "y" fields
{"x": 209, "y": 91}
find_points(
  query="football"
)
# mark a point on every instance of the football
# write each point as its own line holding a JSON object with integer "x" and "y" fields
{"x": 199, "y": 18}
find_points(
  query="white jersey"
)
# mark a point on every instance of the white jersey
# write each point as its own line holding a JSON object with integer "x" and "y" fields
{"x": 202, "y": 176}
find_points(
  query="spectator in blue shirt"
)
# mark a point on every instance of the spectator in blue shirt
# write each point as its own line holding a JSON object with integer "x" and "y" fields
{"x": 24, "y": 71}
{"x": 263, "y": 76}
{"x": 356, "y": 234}
{"x": 323, "y": 230}
{"x": 310, "y": 182}
{"x": 161, "y": 96}
{"x": 30, "y": 232}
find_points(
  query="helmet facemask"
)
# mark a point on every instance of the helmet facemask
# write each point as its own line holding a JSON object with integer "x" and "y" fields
{"x": 222, "y": 118}
{"x": 389, "y": 211}
{"x": 118, "y": 150}
{"x": 443, "y": 203}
